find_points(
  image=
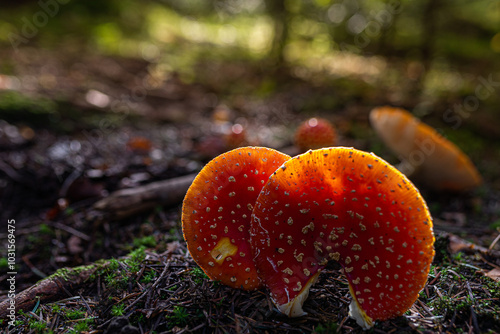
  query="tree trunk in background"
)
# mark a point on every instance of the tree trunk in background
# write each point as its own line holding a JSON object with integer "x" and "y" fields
{"x": 278, "y": 12}
{"x": 427, "y": 48}
{"x": 429, "y": 18}
{"x": 429, "y": 23}
{"x": 385, "y": 43}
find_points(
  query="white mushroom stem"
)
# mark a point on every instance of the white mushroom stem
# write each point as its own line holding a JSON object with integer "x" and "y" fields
{"x": 357, "y": 313}
{"x": 294, "y": 307}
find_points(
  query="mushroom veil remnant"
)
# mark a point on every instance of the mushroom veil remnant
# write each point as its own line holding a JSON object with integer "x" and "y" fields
{"x": 217, "y": 209}
{"x": 352, "y": 207}
{"x": 425, "y": 154}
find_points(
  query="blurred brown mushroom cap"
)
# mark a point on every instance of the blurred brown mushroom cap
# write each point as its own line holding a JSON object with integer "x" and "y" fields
{"x": 425, "y": 154}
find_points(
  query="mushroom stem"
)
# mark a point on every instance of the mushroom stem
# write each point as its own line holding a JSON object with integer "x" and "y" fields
{"x": 294, "y": 307}
{"x": 356, "y": 312}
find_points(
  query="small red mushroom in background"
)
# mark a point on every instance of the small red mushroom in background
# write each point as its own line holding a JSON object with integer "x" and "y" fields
{"x": 348, "y": 206}
{"x": 139, "y": 145}
{"x": 217, "y": 209}
{"x": 315, "y": 133}
{"x": 236, "y": 136}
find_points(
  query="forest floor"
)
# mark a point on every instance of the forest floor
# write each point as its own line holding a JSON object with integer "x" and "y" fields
{"x": 72, "y": 133}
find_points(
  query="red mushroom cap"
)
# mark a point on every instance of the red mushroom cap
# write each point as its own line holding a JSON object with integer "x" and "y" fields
{"x": 236, "y": 136}
{"x": 217, "y": 210}
{"x": 349, "y": 206}
{"x": 315, "y": 133}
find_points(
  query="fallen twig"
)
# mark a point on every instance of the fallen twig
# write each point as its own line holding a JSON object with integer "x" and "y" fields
{"x": 126, "y": 202}
{"x": 52, "y": 288}
{"x": 457, "y": 244}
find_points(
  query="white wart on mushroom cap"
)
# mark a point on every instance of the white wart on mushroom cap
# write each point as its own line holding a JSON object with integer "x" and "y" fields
{"x": 352, "y": 207}
{"x": 217, "y": 209}
{"x": 425, "y": 154}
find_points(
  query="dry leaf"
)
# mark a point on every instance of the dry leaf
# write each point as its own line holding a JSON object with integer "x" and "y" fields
{"x": 494, "y": 274}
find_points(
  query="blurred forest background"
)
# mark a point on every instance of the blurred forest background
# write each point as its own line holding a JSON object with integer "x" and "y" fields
{"x": 275, "y": 61}
{"x": 86, "y": 85}
{"x": 97, "y": 96}
{"x": 122, "y": 93}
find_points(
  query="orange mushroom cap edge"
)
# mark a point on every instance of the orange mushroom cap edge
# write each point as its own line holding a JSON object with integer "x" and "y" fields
{"x": 425, "y": 153}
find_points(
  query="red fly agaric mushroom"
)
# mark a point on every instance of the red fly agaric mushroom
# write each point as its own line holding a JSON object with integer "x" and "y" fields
{"x": 425, "y": 154}
{"x": 236, "y": 136}
{"x": 217, "y": 209}
{"x": 315, "y": 133}
{"x": 352, "y": 207}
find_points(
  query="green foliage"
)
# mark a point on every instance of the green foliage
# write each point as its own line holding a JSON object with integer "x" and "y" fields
{"x": 198, "y": 272}
{"x": 113, "y": 265}
{"x": 137, "y": 318}
{"x": 330, "y": 327}
{"x": 495, "y": 225}
{"x": 45, "y": 229}
{"x": 148, "y": 241}
{"x": 199, "y": 275}
{"x": 12, "y": 102}
{"x": 38, "y": 326}
{"x": 69, "y": 211}
{"x": 149, "y": 276}
{"x": 179, "y": 317}
{"x": 75, "y": 314}
{"x": 82, "y": 326}
{"x": 4, "y": 263}
{"x": 137, "y": 255}
{"x": 118, "y": 310}
{"x": 461, "y": 288}
{"x": 135, "y": 258}
{"x": 173, "y": 235}
{"x": 116, "y": 280}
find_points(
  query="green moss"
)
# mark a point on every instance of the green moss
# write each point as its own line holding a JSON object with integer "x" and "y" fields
{"x": 38, "y": 326}
{"x": 68, "y": 273}
{"x": 148, "y": 241}
{"x": 135, "y": 258}
{"x": 75, "y": 314}
{"x": 69, "y": 211}
{"x": 330, "y": 327}
{"x": 12, "y": 102}
{"x": 495, "y": 225}
{"x": 116, "y": 280}
{"x": 84, "y": 326}
{"x": 4, "y": 263}
{"x": 45, "y": 229}
{"x": 199, "y": 275}
{"x": 149, "y": 276}
{"x": 137, "y": 318}
{"x": 63, "y": 273}
{"x": 138, "y": 254}
{"x": 198, "y": 272}
{"x": 173, "y": 235}
{"x": 113, "y": 265}
{"x": 118, "y": 310}
{"x": 179, "y": 316}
